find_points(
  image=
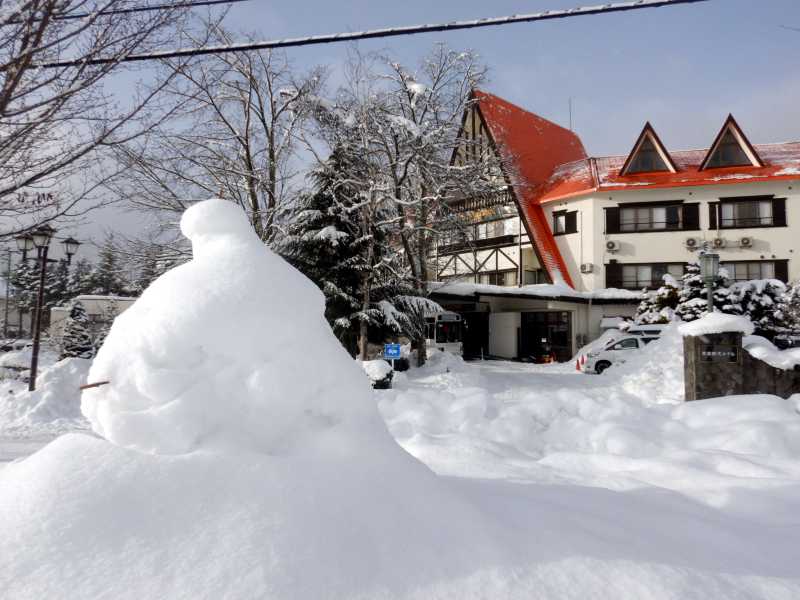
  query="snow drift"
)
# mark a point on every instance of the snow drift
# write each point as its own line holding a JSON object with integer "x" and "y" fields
{"x": 232, "y": 466}
{"x": 244, "y": 457}
{"x": 53, "y": 408}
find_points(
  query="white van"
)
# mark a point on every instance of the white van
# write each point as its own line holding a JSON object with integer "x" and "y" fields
{"x": 614, "y": 352}
{"x": 650, "y": 329}
{"x": 443, "y": 332}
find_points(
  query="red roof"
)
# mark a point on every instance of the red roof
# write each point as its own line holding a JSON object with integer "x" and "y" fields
{"x": 546, "y": 162}
{"x": 781, "y": 161}
{"x": 533, "y": 147}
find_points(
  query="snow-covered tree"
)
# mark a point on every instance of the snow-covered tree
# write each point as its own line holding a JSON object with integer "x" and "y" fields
{"x": 80, "y": 279}
{"x": 325, "y": 242}
{"x": 77, "y": 339}
{"x": 238, "y": 115}
{"x": 659, "y": 306}
{"x": 761, "y": 300}
{"x": 107, "y": 276}
{"x": 59, "y": 123}
{"x": 789, "y": 306}
{"x": 692, "y": 299}
{"x": 404, "y": 124}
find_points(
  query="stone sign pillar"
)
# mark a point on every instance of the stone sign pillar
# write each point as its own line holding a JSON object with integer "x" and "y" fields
{"x": 713, "y": 365}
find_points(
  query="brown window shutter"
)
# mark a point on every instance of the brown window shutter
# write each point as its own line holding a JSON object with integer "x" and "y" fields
{"x": 614, "y": 275}
{"x": 572, "y": 222}
{"x": 713, "y": 207}
{"x": 779, "y": 212}
{"x": 782, "y": 270}
{"x": 691, "y": 217}
{"x": 612, "y": 219}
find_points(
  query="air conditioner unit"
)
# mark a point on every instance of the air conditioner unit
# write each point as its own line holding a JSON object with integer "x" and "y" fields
{"x": 718, "y": 243}
{"x": 746, "y": 242}
{"x": 691, "y": 243}
{"x": 587, "y": 268}
{"x": 612, "y": 246}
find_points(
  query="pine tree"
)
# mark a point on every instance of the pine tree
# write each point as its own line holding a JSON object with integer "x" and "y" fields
{"x": 646, "y": 311}
{"x": 692, "y": 303}
{"x": 106, "y": 277}
{"x": 789, "y": 305}
{"x": 77, "y": 341}
{"x": 761, "y": 300}
{"x": 80, "y": 280}
{"x": 326, "y": 242}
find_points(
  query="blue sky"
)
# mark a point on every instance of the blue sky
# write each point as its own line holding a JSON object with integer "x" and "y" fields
{"x": 684, "y": 68}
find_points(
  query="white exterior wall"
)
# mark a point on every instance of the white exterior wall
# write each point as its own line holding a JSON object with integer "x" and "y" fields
{"x": 96, "y": 306}
{"x": 588, "y": 245}
{"x": 503, "y": 334}
{"x": 577, "y": 248}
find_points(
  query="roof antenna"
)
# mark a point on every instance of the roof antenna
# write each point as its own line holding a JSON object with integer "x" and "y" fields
{"x": 570, "y": 113}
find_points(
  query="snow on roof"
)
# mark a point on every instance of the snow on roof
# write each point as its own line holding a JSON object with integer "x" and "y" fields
{"x": 781, "y": 161}
{"x": 717, "y": 322}
{"x": 535, "y": 147}
{"x": 101, "y": 297}
{"x": 542, "y": 290}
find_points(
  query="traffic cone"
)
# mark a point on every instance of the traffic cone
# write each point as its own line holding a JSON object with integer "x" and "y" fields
{"x": 578, "y": 365}
{"x": 583, "y": 360}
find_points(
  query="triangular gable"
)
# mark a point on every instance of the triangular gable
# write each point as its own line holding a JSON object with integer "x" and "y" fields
{"x": 473, "y": 137}
{"x": 533, "y": 147}
{"x": 731, "y": 148}
{"x": 648, "y": 155}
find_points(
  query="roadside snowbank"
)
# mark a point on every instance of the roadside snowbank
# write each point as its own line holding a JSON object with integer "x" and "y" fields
{"x": 717, "y": 322}
{"x": 626, "y": 429}
{"x": 762, "y": 349}
{"x": 55, "y": 406}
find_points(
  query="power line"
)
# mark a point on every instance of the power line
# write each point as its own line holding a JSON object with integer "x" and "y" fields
{"x": 132, "y": 9}
{"x": 380, "y": 33}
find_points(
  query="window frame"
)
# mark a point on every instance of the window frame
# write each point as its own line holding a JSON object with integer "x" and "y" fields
{"x": 740, "y": 222}
{"x": 570, "y": 220}
{"x": 647, "y": 226}
{"x": 654, "y": 282}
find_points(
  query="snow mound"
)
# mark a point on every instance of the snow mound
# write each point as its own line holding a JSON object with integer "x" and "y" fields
{"x": 54, "y": 407}
{"x": 207, "y": 355}
{"x": 762, "y": 349}
{"x": 376, "y": 369}
{"x": 717, "y": 322}
{"x": 654, "y": 374}
{"x": 232, "y": 466}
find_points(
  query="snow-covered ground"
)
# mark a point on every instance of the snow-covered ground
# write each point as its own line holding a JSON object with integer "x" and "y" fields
{"x": 226, "y": 467}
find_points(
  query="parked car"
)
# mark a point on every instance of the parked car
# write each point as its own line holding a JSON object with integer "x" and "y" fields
{"x": 614, "y": 352}
{"x": 651, "y": 329}
{"x": 787, "y": 339}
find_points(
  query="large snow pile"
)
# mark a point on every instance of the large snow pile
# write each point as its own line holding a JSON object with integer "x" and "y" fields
{"x": 626, "y": 429}
{"x": 231, "y": 465}
{"x": 235, "y": 467}
{"x": 654, "y": 374}
{"x": 55, "y": 406}
{"x": 717, "y": 322}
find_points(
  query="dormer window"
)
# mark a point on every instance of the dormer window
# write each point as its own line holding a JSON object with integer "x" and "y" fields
{"x": 731, "y": 149}
{"x": 648, "y": 155}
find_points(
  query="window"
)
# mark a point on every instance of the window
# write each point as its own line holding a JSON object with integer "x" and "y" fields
{"x": 637, "y": 277}
{"x": 748, "y": 213}
{"x": 629, "y": 344}
{"x": 729, "y": 153}
{"x": 494, "y": 229}
{"x": 650, "y": 218}
{"x": 565, "y": 222}
{"x": 506, "y": 278}
{"x": 534, "y": 277}
{"x": 647, "y": 159}
{"x": 745, "y": 271}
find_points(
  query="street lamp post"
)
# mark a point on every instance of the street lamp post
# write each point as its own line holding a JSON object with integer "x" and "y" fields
{"x": 709, "y": 271}
{"x": 41, "y": 240}
{"x": 25, "y": 245}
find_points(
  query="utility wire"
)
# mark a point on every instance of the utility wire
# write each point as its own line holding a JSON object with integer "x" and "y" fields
{"x": 132, "y": 9}
{"x": 380, "y": 33}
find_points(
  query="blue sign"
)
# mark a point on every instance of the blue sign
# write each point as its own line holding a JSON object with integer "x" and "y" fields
{"x": 391, "y": 351}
